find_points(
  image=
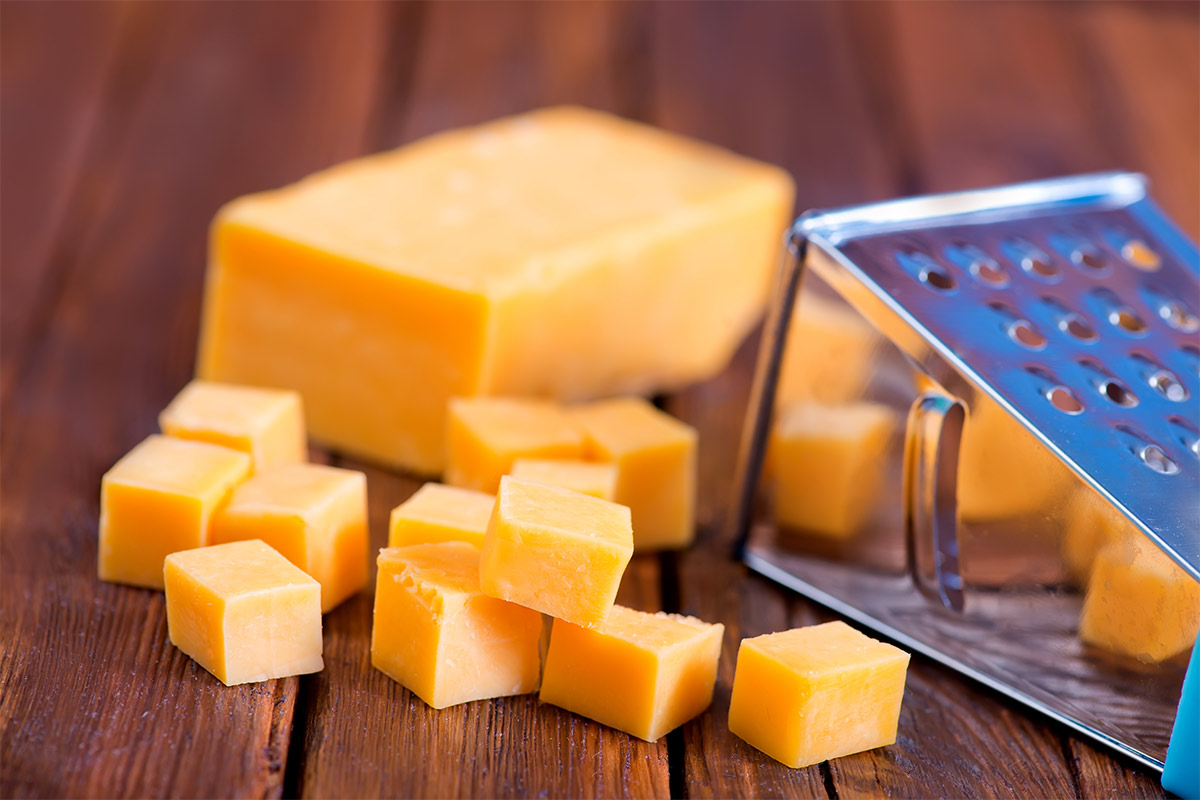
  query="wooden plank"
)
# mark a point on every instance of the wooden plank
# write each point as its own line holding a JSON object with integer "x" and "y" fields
{"x": 1098, "y": 774}
{"x": 96, "y": 702}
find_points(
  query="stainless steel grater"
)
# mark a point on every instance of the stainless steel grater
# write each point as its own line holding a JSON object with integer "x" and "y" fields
{"x": 1038, "y": 347}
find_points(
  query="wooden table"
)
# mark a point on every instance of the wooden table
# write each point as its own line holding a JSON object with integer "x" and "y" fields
{"x": 125, "y": 126}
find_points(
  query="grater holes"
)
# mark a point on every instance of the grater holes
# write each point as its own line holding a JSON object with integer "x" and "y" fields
{"x": 1148, "y": 451}
{"x": 1108, "y": 385}
{"x": 926, "y": 270}
{"x": 1139, "y": 255}
{"x": 1159, "y": 378}
{"x": 978, "y": 264}
{"x": 1127, "y": 320}
{"x": 1026, "y": 334}
{"x": 1187, "y": 434}
{"x": 1079, "y": 251}
{"x": 938, "y": 279}
{"x": 1170, "y": 309}
{"x": 1032, "y": 260}
{"x": 1075, "y": 325}
{"x": 1064, "y": 400}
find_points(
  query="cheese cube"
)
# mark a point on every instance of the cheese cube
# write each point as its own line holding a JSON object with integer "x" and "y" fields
{"x": 1140, "y": 603}
{"x": 556, "y": 551}
{"x": 161, "y": 498}
{"x": 487, "y": 434}
{"x": 827, "y": 465}
{"x": 1091, "y": 525}
{"x": 645, "y": 674}
{"x": 266, "y": 423}
{"x": 655, "y": 456}
{"x": 315, "y": 516}
{"x": 811, "y": 694}
{"x": 438, "y": 635}
{"x": 827, "y": 358}
{"x": 437, "y": 513}
{"x": 585, "y": 477}
{"x": 563, "y": 253}
{"x": 243, "y": 612}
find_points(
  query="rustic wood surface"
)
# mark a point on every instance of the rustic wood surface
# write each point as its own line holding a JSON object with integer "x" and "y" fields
{"x": 123, "y": 126}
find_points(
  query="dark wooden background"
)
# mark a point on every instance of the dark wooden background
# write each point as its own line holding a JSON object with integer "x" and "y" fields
{"x": 125, "y": 126}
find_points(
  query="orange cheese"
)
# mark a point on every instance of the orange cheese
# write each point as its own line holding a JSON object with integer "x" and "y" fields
{"x": 826, "y": 462}
{"x": 1091, "y": 524}
{"x": 585, "y": 477}
{"x": 316, "y": 516}
{"x": 1140, "y": 603}
{"x": 645, "y": 674}
{"x": 437, "y": 634}
{"x": 810, "y": 694}
{"x": 557, "y": 551}
{"x": 487, "y": 434}
{"x": 161, "y": 498}
{"x": 655, "y": 456}
{"x": 243, "y": 612}
{"x": 828, "y": 354}
{"x": 437, "y": 513}
{"x": 563, "y": 253}
{"x": 266, "y": 423}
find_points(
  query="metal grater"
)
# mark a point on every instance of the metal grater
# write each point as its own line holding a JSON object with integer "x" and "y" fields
{"x": 1062, "y": 313}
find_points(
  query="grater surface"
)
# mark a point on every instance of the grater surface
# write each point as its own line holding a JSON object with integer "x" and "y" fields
{"x": 1073, "y": 304}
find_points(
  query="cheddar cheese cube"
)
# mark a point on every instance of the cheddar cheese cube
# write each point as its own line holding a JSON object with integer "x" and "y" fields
{"x": 487, "y": 434}
{"x": 438, "y": 635}
{"x": 563, "y": 253}
{"x": 556, "y": 551}
{"x": 1140, "y": 603}
{"x": 160, "y": 498}
{"x": 828, "y": 355}
{"x": 645, "y": 674}
{"x": 243, "y": 612}
{"x": 655, "y": 456}
{"x": 827, "y": 465}
{"x": 315, "y": 516}
{"x": 811, "y": 694}
{"x": 437, "y": 513}
{"x": 266, "y": 423}
{"x": 1091, "y": 524}
{"x": 585, "y": 477}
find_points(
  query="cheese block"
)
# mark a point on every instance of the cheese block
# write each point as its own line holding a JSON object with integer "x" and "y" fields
{"x": 645, "y": 674}
{"x": 827, "y": 465}
{"x": 1091, "y": 524}
{"x": 556, "y": 551}
{"x": 1140, "y": 603}
{"x": 437, "y": 634}
{"x": 585, "y": 477}
{"x": 563, "y": 253}
{"x": 266, "y": 423}
{"x": 811, "y": 694}
{"x": 316, "y": 516}
{"x": 437, "y": 513}
{"x": 160, "y": 498}
{"x": 243, "y": 612}
{"x": 487, "y": 434}
{"x": 828, "y": 354}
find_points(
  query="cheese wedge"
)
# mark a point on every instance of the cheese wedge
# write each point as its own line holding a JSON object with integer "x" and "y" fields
{"x": 437, "y": 513}
{"x": 563, "y": 253}
{"x": 243, "y": 612}
{"x": 645, "y": 674}
{"x": 811, "y": 694}
{"x": 437, "y": 634}
{"x": 585, "y": 477}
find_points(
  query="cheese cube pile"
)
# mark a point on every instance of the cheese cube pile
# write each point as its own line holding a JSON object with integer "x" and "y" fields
{"x": 437, "y": 513}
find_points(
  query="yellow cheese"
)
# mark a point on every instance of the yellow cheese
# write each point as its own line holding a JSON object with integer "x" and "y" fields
{"x": 585, "y": 477}
{"x": 827, "y": 463}
{"x": 828, "y": 354}
{"x": 438, "y": 635}
{"x": 437, "y": 513}
{"x": 1090, "y": 525}
{"x": 645, "y": 674}
{"x": 1140, "y": 603}
{"x": 243, "y": 612}
{"x": 811, "y": 694}
{"x": 487, "y": 434}
{"x": 266, "y": 423}
{"x": 656, "y": 458}
{"x": 556, "y": 551}
{"x": 161, "y": 498}
{"x": 316, "y": 516}
{"x": 564, "y": 253}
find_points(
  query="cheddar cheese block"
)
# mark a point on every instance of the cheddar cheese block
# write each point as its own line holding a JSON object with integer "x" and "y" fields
{"x": 437, "y": 513}
{"x": 563, "y": 253}
{"x": 437, "y": 634}
{"x": 487, "y": 434}
{"x": 810, "y": 694}
{"x": 316, "y": 516}
{"x": 243, "y": 612}
{"x": 655, "y": 456}
{"x": 1091, "y": 524}
{"x": 827, "y": 358}
{"x": 560, "y": 552}
{"x": 586, "y": 477}
{"x": 160, "y": 498}
{"x": 645, "y": 674}
{"x": 266, "y": 423}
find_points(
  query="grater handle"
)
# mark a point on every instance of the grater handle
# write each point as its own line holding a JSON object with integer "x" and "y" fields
{"x": 934, "y": 431}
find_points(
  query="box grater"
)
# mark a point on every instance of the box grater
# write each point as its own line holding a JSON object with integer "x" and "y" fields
{"x": 1036, "y": 348}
